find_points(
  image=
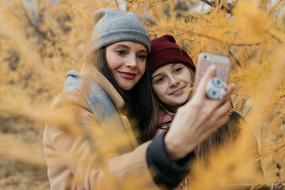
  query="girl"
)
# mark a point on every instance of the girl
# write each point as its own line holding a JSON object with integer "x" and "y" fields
{"x": 114, "y": 82}
{"x": 172, "y": 73}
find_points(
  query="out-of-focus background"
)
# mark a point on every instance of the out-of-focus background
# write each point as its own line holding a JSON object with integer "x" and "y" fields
{"x": 40, "y": 40}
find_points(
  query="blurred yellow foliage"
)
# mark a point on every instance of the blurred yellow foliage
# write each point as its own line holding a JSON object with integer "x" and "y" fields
{"x": 39, "y": 43}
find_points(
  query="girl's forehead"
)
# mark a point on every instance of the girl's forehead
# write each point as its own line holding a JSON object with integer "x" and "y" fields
{"x": 166, "y": 68}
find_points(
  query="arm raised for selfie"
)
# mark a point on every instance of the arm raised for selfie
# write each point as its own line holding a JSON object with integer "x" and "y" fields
{"x": 197, "y": 119}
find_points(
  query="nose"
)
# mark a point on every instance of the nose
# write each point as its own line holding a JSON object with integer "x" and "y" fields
{"x": 173, "y": 81}
{"x": 131, "y": 61}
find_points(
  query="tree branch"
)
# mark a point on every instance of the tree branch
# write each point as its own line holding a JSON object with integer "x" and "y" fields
{"x": 210, "y": 3}
{"x": 275, "y": 37}
{"x": 234, "y": 58}
{"x": 228, "y": 8}
{"x": 226, "y": 42}
{"x": 34, "y": 25}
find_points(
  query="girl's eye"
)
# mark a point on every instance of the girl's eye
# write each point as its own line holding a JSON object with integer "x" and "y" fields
{"x": 159, "y": 80}
{"x": 178, "y": 69}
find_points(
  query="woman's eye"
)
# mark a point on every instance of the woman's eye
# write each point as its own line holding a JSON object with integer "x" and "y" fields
{"x": 121, "y": 52}
{"x": 142, "y": 57}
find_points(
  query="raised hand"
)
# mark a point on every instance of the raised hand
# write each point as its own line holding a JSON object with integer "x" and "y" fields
{"x": 197, "y": 119}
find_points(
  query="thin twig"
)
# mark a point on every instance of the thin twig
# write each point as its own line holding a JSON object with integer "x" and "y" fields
{"x": 117, "y": 4}
{"x": 222, "y": 41}
{"x": 34, "y": 26}
{"x": 228, "y": 8}
{"x": 188, "y": 89}
{"x": 210, "y": 3}
{"x": 234, "y": 57}
{"x": 274, "y": 7}
{"x": 275, "y": 37}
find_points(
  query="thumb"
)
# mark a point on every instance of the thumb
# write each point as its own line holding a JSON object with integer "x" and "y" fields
{"x": 200, "y": 91}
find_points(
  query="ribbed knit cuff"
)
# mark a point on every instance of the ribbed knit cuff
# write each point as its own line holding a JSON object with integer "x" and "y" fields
{"x": 167, "y": 173}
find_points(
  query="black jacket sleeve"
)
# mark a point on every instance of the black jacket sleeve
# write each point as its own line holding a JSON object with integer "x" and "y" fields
{"x": 167, "y": 173}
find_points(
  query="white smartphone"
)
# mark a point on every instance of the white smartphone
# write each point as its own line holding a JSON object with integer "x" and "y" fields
{"x": 205, "y": 60}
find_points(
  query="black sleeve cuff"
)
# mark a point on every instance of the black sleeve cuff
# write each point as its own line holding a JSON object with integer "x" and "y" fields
{"x": 167, "y": 173}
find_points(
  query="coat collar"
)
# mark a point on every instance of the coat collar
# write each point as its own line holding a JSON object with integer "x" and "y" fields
{"x": 91, "y": 73}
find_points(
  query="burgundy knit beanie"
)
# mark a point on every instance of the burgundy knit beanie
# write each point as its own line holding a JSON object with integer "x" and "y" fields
{"x": 164, "y": 50}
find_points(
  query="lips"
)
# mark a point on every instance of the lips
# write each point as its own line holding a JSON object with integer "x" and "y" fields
{"x": 127, "y": 75}
{"x": 177, "y": 91}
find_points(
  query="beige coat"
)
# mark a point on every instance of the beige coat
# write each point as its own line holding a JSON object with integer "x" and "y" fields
{"x": 75, "y": 163}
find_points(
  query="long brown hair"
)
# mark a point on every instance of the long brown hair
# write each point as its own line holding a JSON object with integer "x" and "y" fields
{"x": 225, "y": 134}
{"x": 140, "y": 104}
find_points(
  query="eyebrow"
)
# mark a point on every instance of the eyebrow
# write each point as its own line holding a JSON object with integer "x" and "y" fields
{"x": 155, "y": 76}
{"x": 172, "y": 65}
{"x": 121, "y": 45}
{"x": 127, "y": 47}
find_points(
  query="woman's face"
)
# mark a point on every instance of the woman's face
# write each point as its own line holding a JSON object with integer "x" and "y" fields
{"x": 168, "y": 83}
{"x": 127, "y": 62}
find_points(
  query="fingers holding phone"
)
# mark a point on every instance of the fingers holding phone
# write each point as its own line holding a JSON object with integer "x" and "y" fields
{"x": 202, "y": 115}
{"x": 200, "y": 91}
{"x": 216, "y": 87}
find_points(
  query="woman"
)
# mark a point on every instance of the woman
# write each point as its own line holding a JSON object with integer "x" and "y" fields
{"x": 112, "y": 82}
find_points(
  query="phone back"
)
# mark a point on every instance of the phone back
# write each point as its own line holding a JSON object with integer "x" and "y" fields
{"x": 205, "y": 60}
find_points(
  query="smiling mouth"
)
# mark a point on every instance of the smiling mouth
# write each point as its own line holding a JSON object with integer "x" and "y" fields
{"x": 177, "y": 92}
{"x": 127, "y": 75}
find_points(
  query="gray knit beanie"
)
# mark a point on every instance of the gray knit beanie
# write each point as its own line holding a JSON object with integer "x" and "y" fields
{"x": 113, "y": 26}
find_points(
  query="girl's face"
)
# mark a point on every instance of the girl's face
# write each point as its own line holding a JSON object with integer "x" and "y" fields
{"x": 127, "y": 62}
{"x": 168, "y": 83}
